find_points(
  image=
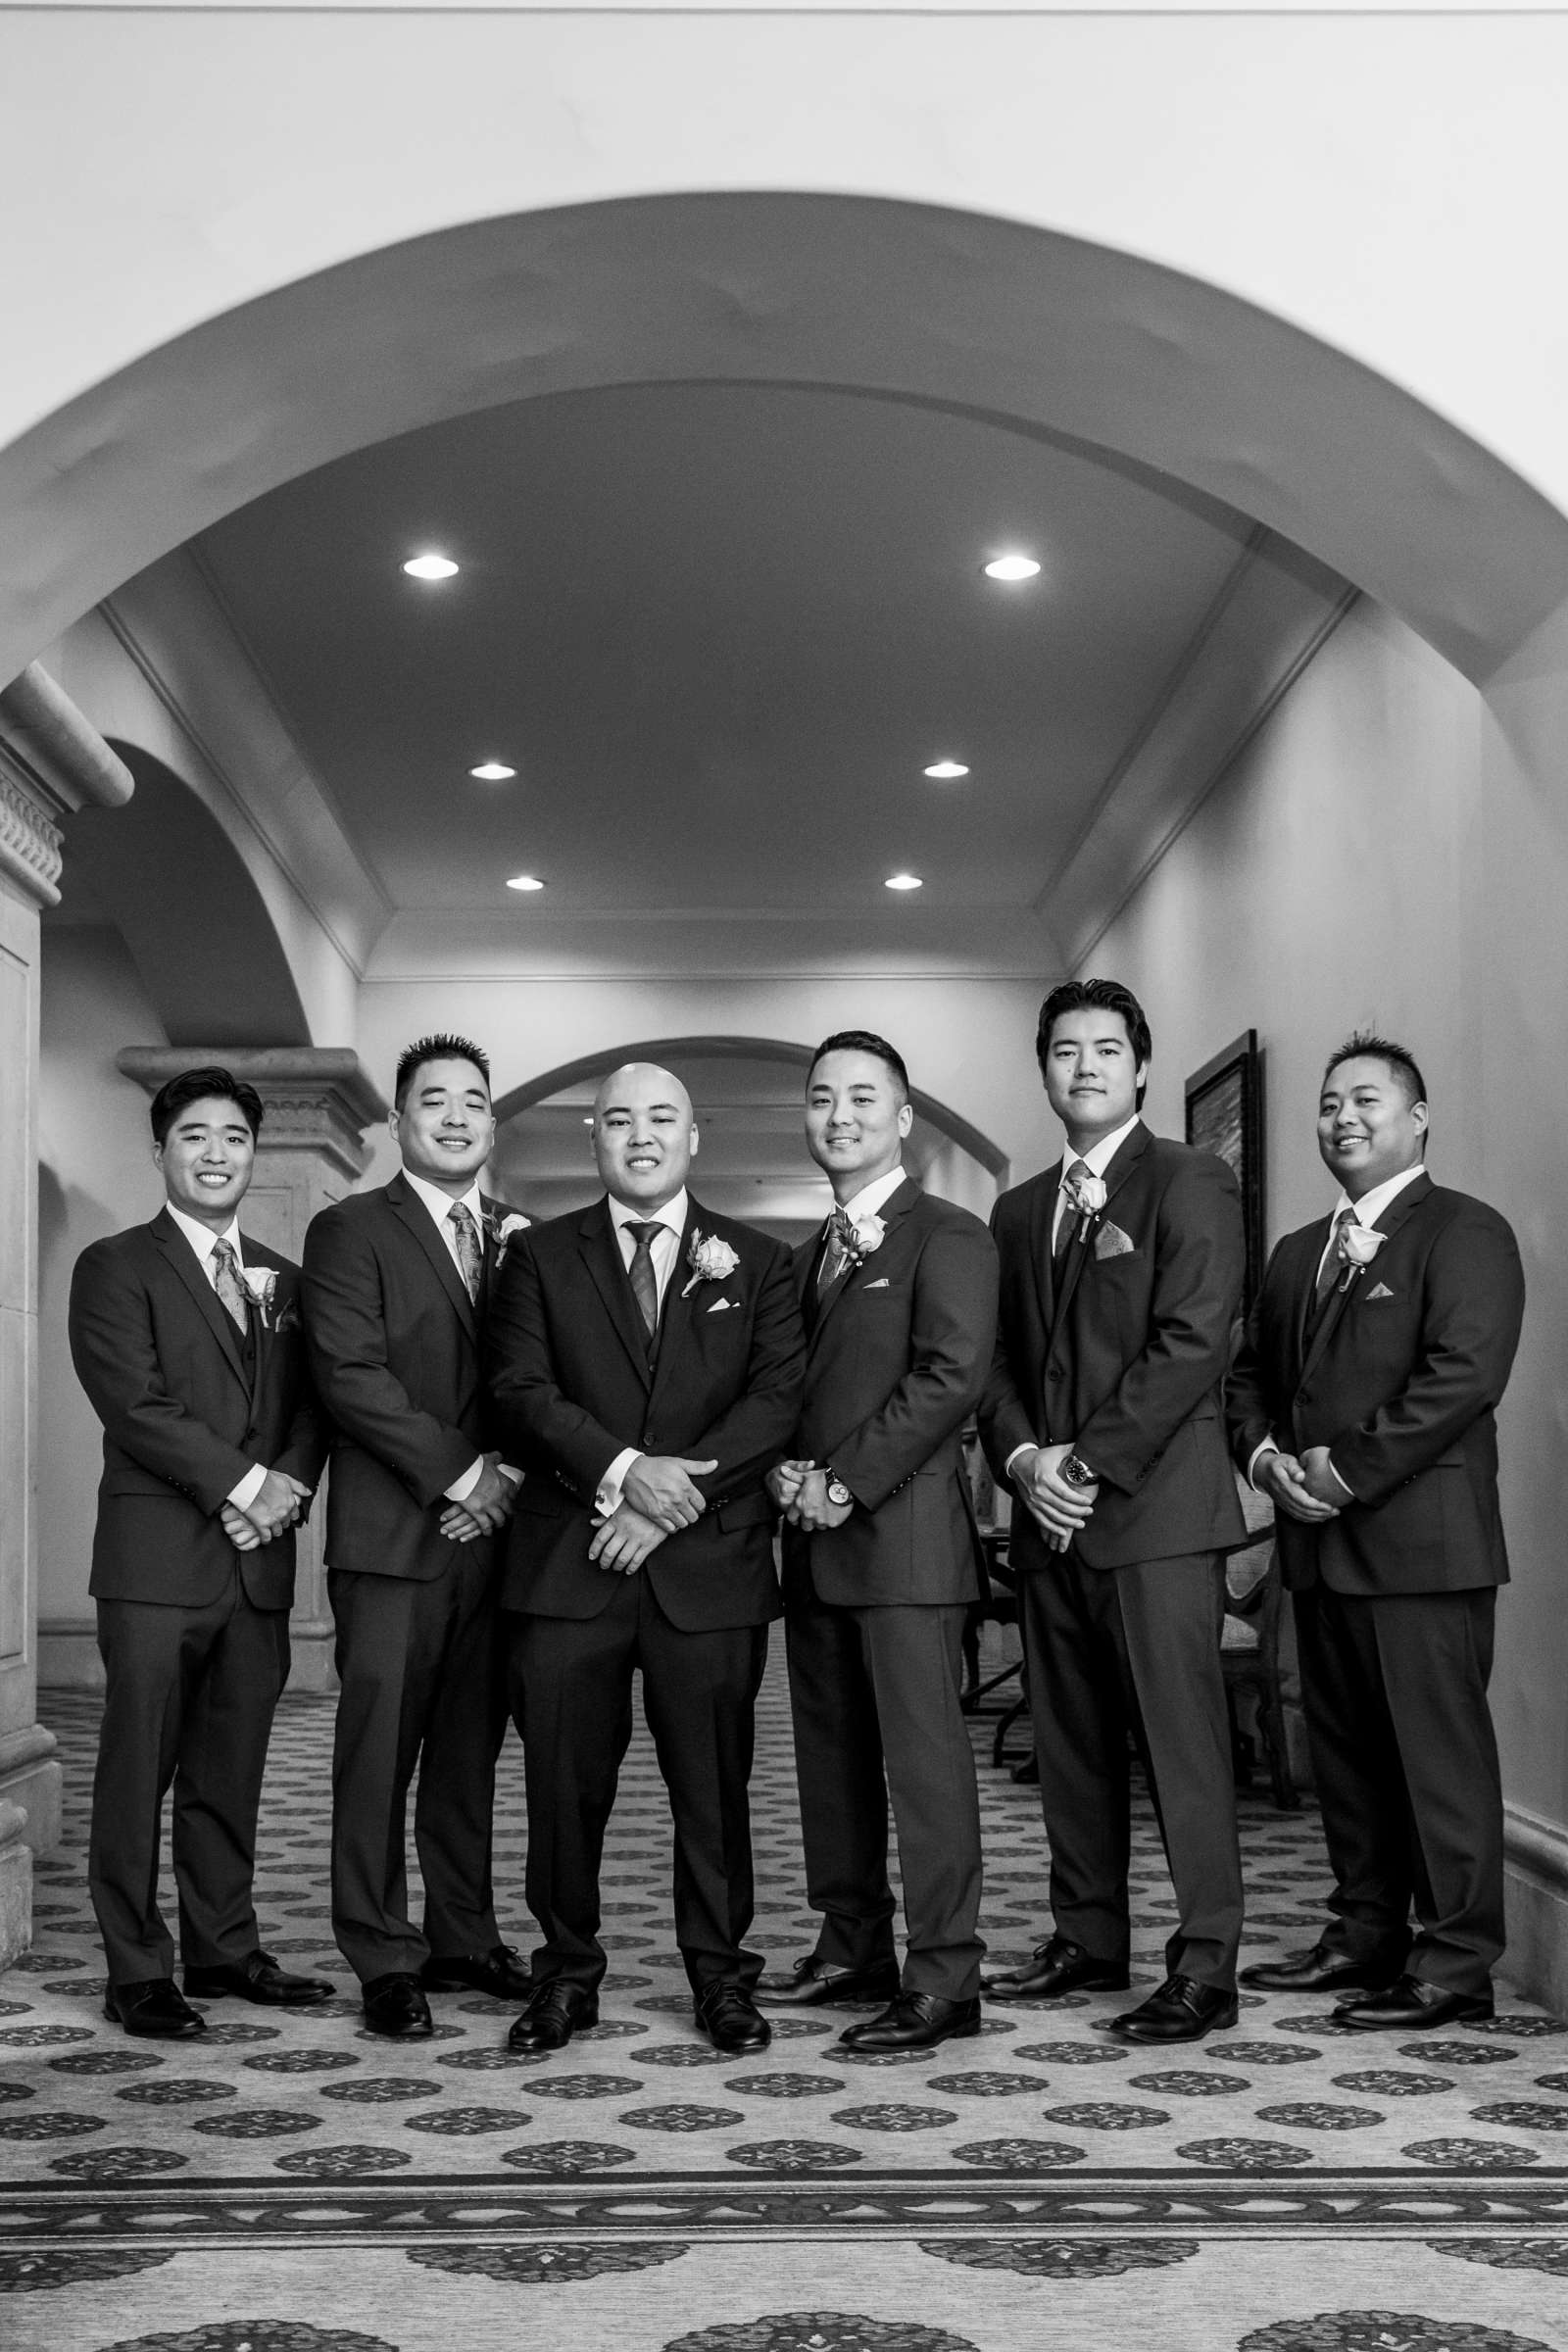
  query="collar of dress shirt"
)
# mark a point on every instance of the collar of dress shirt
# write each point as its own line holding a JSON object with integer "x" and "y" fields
{"x": 440, "y": 1203}
{"x": 871, "y": 1197}
{"x": 672, "y": 1216}
{"x": 1099, "y": 1157}
{"x": 1371, "y": 1206}
{"x": 203, "y": 1241}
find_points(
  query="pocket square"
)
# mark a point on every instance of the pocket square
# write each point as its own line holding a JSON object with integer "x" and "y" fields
{"x": 1382, "y": 1292}
{"x": 720, "y": 1305}
{"x": 1111, "y": 1241}
{"x": 880, "y": 1285}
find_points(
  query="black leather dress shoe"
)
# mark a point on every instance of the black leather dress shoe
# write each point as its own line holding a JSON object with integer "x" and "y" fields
{"x": 1409, "y": 2007}
{"x": 1182, "y": 2010}
{"x": 731, "y": 2019}
{"x": 257, "y": 1978}
{"x": 552, "y": 2014}
{"x": 1057, "y": 1966}
{"x": 155, "y": 2007}
{"x": 813, "y": 1984}
{"x": 1320, "y": 1971}
{"x": 498, "y": 1971}
{"x": 395, "y": 2005}
{"x": 914, "y": 2021}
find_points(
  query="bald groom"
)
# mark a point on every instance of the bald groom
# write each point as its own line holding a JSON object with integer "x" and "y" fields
{"x": 645, "y": 1360}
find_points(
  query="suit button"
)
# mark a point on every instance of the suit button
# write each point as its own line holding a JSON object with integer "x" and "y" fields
{"x": 649, "y": 1438}
{"x": 1055, "y": 1372}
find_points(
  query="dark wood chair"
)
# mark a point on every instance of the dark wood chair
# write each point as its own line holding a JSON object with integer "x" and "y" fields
{"x": 1249, "y": 1660}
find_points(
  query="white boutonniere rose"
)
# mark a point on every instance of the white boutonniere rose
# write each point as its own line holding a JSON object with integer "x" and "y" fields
{"x": 709, "y": 1259}
{"x": 262, "y": 1284}
{"x": 502, "y": 1230}
{"x": 867, "y": 1234}
{"x": 1087, "y": 1195}
{"x": 1356, "y": 1247}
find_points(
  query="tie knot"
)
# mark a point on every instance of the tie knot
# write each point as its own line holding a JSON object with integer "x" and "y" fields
{"x": 841, "y": 1228}
{"x": 643, "y": 1233}
{"x": 223, "y": 1256}
{"x": 1079, "y": 1173}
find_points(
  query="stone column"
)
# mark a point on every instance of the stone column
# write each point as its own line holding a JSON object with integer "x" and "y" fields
{"x": 51, "y": 762}
{"x": 317, "y": 1102}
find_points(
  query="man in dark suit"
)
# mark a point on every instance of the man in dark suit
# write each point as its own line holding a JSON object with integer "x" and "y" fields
{"x": 397, "y": 1286}
{"x": 1121, "y": 1277}
{"x": 645, "y": 1360}
{"x": 185, "y": 1335}
{"x": 882, "y": 1562}
{"x": 1364, "y": 1403}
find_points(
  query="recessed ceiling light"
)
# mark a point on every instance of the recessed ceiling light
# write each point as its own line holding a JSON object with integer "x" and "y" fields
{"x": 493, "y": 772}
{"x": 903, "y": 882}
{"x": 524, "y": 882}
{"x": 429, "y": 568}
{"x": 1012, "y": 567}
{"x": 945, "y": 771}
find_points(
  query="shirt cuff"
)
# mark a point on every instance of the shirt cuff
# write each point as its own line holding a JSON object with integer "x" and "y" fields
{"x": 508, "y": 1470}
{"x": 1268, "y": 1447}
{"x": 1340, "y": 1481}
{"x": 607, "y": 1498}
{"x": 461, "y": 1488}
{"x": 250, "y": 1486}
{"x": 1028, "y": 1446}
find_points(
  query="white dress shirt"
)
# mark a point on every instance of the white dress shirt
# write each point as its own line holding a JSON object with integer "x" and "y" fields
{"x": 873, "y": 1197}
{"x": 664, "y": 1247}
{"x": 440, "y": 1205}
{"x": 203, "y": 1241}
{"x": 1097, "y": 1159}
{"x": 1365, "y": 1211}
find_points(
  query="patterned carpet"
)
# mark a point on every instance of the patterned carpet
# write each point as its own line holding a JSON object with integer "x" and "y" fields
{"x": 290, "y": 2185}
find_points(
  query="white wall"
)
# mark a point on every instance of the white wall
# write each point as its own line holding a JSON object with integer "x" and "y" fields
{"x": 95, "y": 1175}
{"x": 1386, "y": 853}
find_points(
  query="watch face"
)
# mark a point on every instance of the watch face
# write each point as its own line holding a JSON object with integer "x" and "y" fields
{"x": 837, "y": 1491}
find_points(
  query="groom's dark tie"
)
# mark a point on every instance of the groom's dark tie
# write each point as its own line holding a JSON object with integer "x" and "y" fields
{"x": 228, "y": 1284}
{"x": 644, "y": 1281}
{"x": 1329, "y": 1273}
{"x": 1070, "y": 1212}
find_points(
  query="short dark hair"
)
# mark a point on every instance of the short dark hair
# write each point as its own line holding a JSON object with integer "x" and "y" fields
{"x": 439, "y": 1048}
{"x": 196, "y": 1086}
{"x": 1364, "y": 1045}
{"x": 1100, "y": 995}
{"x": 863, "y": 1040}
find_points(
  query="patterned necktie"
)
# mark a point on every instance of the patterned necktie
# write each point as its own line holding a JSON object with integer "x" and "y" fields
{"x": 840, "y": 1247}
{"x": 644, "y": 1281}
{"x": 1069, "y": 1223}
{"x": 226, "y": 1281}
{"x": 1331, "y": 1269}
{"x": 471, "y": 1257}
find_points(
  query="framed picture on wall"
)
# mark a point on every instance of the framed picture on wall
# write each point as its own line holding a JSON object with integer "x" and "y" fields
{"x": 1225, "y": 1115}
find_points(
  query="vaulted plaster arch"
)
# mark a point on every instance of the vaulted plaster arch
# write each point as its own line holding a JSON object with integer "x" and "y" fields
{"x": 1031, "y": 328}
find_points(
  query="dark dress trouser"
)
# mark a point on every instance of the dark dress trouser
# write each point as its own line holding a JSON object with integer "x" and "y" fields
{"x": 1404, "y": 1761}
{"x": 189, "y": 1702}
{"x": 571, "y": 1691}
{"x": 1134, "y": 1648}
{"x": 424, "y": 1685}
{"x": 874, "y": 1699}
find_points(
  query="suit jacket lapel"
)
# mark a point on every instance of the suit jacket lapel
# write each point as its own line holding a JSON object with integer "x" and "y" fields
{"x": 1041, "y": 1214}
{"x": 898, "y": 1205}
{"x": 601, "y": 1252}
{"x": 1386, "y": 1221}
{"x": 680, "y": 1298}
{"x": 183, "y": 1257}
{"x": 1121, "y": 1167}
{"x": 406, "y": 1204}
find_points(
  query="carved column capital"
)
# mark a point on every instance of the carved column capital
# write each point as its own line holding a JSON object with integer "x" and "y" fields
{"x": 317, "y": 1099}
{"x": 52, "y": 760}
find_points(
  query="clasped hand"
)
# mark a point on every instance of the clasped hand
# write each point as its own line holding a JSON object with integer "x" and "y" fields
{"x": 1060, "y": 1510}
{"x": 484, "y": 1509}
{"x": 800, "y": 1488}
{"x": 1304, "y": 1489}
{"x": 275, "y": 1506}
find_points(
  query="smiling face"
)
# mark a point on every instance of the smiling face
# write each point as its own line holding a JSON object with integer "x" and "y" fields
{"x": 644, "y": 1135}
{"x": 1092, "y": 1078}
{"x": 206, "y": 1159}
{"x": 856, "y": 1117}
{"x": 445, "y": 1128}
{"x": 1368, "y": 1129}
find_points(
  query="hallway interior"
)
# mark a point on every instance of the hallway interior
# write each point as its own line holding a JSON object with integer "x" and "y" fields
{"x": 291, "y": 2186}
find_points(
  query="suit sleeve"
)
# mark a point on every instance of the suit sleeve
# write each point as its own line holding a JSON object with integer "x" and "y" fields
{"x": 748, "y": 1438}
{"x": 951, "y": 1342}
{"x": 537, "y": 1425}
{"x": 345, "y": 1329}
{"x": 1199, "y": 1267}
{"x": 1251, "y": 1410}
{"x": 1005, "y": 1422}
{"x": 113, "y": 1349}
{"x": 1473, "y": 1311}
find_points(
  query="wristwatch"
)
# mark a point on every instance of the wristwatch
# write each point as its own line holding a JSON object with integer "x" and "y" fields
{"x": 838, "y": 1494}
{"x": 1077, "y": 1472}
